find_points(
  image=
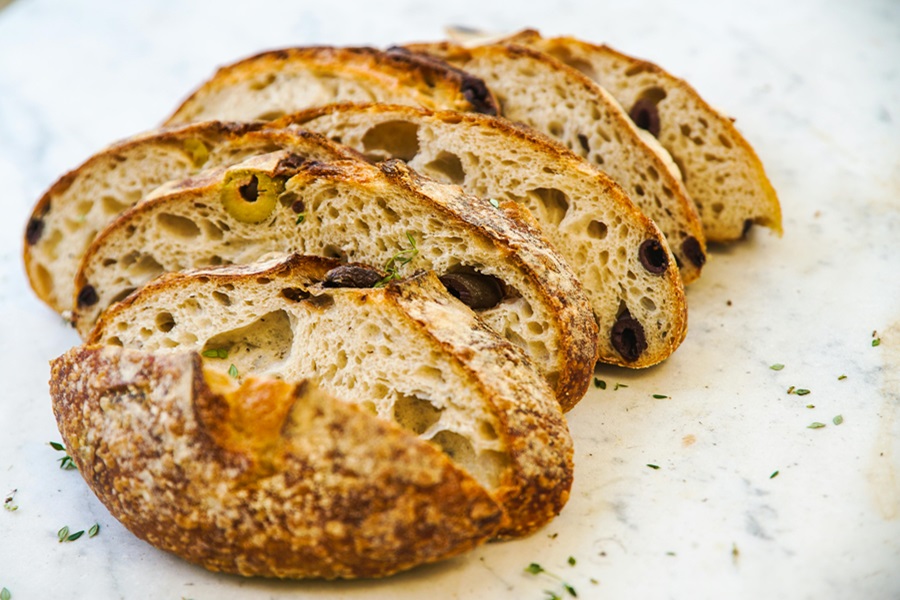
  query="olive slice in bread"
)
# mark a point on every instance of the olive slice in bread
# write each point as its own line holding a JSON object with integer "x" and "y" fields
{"x": 407, "y": 352}
{"x": 84, "y": 201}
{"x": 618, "y": 254}
{"x": 721, "y": 171}
{"x": 536, "y": 89}
{"x": 274, "y": 83}
{"x": 385, "y": 215}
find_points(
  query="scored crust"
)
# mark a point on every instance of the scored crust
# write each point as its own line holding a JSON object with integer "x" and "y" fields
{"x": 557, "y": 100}
{"x": 585, "y": 215}
{"x": 274, "y": 83}
{"x": 361, "y": 213}
{"x": 316, "y": 488}
{"x": 408, "y": 352}
{"x": 84, "y": 201}
{"x": 722, "y": 173}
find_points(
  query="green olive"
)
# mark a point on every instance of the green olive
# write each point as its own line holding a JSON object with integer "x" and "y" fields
{"x": 251, "y": 197}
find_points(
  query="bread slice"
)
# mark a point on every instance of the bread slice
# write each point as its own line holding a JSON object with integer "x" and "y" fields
{"x": 722, "y": 173}
{"x": 178, "y": 466}
{"x": 277, "y": 82}
{"x": 618, "y": 254}
{"x": 84, "y": 201}
{"x": 407, "y": 352}
{"x": 540, "y": 91}
{"x": 316, "y": 487}
{"x": 385, "y": 215}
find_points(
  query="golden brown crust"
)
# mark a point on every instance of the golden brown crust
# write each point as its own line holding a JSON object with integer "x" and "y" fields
{"x": 316, "y": 488}
{"x": 391, "y": 73}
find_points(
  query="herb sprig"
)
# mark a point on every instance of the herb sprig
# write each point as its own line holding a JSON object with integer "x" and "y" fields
{"x": 65, "y": 463}
{"x": 399, "y": 260}
{"x": 537, "y": 569}
{"x": 8, "y": 502}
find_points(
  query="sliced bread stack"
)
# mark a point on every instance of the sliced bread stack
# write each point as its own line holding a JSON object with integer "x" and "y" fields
{"x": 355, "y": 290}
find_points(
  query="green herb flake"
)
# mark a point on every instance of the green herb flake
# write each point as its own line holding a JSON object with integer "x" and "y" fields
{"x": 66, "y": 463}
{"x": 802, "y": 392}
{"x": 534, "y": 568}
{"x": 810, "y": 406}
{"x": 670, "y": 553}
{"x": 94, "y": 530}
{"x": 571, "y": 590}
{"x": 571, "y": 561}
{"x": 815, "y": 425}
{"x": 63, "y": 533}
{"x": 838, "y": 419}
{"x": 599, "y": 383}
{"x": 876, "y": 342}
{"x": 790, "y": 390}
{"x": 300, "y": 218}
{"x": 494, "y": 202}
{"x": 57, "y": 446}
{"x": 619, "y": 385}
{"x": 215, "y": 353}
{"x": 773, "y": 475}
{"x": 75, "y": 536}
{"x": 660, "y": 396}
{"x": 842, "y": 377}
{"x": 551, "y": 595}
{"x": 777, "y": 367}
{"x": 5, "y": 594}
{"x": 232, "y": 370}
{"x": 654, "y": 467}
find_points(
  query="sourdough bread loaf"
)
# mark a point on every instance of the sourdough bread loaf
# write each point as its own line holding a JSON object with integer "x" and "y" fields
{"x": 535, "y": 89}
{"x": 407, "y": 352}
{"x": 379, "y": 215}
{"x": 274, "y": 83}
{"x": 721, "y": 171}
{"x": 84, "y": 201}
{"x": 618, "y": 254}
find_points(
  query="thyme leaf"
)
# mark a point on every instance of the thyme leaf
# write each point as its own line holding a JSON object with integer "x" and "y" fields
{"x": 654, "y": 467}
{"x": 215, "y": 353}
{"x": 232, "y": 370}
{"x": 94, "y": 530}
{"x": 838, "y": 419}
{"x": 63, "y": 533}
{"x": 777, "y": 367}
{"x": 815, "y": 425}
{"x": 599, "y": 383}
{"x": 5, "y": 594}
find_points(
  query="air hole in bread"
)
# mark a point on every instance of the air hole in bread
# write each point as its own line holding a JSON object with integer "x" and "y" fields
{"x": 639, "y": 190}
{"x": 555, "y": 128}
{"x": 295, "y": 294}
{"x": 563, "y": 55}
{"x": 165, "y": 322}
{"x": 122, "y": 295}
{"x": 177, "y": 226}
{"x": 322, "y": 301}
{"x": 389, "y": 214}
{"x": 553, "y": 204}
{"x": 113, "y": 206}
{"x": 455, "y": 446}
{"x": 263, "y": 82}
{"x": 486, "y": 430}
{"x": 446, "y": 167}
{"x": 332, "y": 251}
{"x": 597, "y": 230}
{"x": 258, "y": 346}
{"x": 718, "y": 207}
{"x": 270, "y": 115}
{"x": 583, "y": 141}
{"x": 415, "y": 414}
{"x": 724, "y": 141}
{"x": 392, "y": 139}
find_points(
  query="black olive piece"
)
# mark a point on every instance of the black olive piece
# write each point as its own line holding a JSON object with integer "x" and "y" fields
{"x": 250, "y": 191}
{"x": 476, "y": 92}
{"x": 34, "y": 231}
{"x": 693, "y": 251}
{"x": 628, "y": 338}
{"x": 645, "y": 115}
{"x": 297, "y": 206}
{"x": 352, "y": 276}
{"x": 475, "y": 290}
{"x": 289, "y": 165}
{"x": 87, "y": 296}
{"x": 653, "y": 256}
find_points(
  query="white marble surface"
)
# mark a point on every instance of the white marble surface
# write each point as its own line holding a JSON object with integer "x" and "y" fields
{"x": 815, "y": 86}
